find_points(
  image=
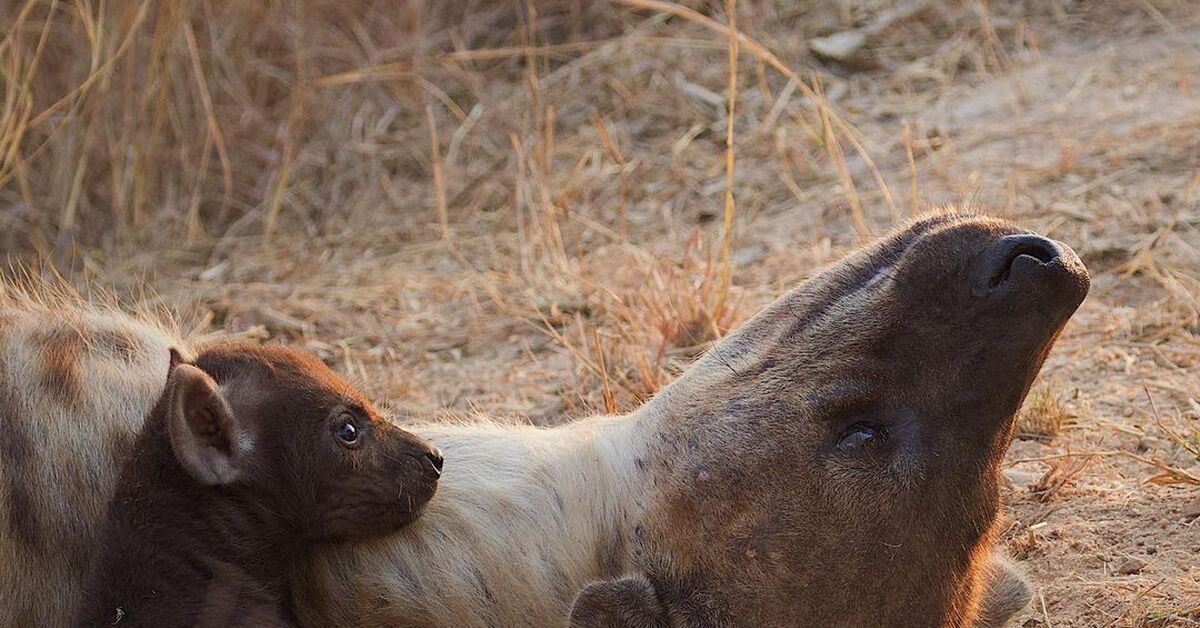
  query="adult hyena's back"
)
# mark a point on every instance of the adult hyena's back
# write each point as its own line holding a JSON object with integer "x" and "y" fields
{"x": 76, "y": 383}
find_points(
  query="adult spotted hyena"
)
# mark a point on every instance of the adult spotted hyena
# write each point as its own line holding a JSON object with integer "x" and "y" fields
{"x": 834, "y": 462}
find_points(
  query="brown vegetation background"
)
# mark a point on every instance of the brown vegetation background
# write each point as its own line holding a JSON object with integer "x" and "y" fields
{"x": 543, "y": 209}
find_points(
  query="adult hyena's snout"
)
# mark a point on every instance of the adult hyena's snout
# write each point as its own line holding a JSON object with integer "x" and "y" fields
{"x": 969, "y": 316}
{"x": 1030, "y": 264}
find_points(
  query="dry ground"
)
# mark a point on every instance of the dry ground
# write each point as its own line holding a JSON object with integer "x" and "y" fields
{"x": 579, "y": 152}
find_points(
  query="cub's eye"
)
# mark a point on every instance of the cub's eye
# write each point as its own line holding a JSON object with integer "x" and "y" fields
{"x": 862, "y": 438}
{"x": 347, "y": 432}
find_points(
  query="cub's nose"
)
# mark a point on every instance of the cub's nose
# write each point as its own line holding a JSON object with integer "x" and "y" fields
{"x": 1012, "y": 258}
{"x": 434, "y": 455}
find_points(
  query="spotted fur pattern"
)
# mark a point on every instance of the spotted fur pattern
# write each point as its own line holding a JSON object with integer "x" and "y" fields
{"x": 76, "y": 383}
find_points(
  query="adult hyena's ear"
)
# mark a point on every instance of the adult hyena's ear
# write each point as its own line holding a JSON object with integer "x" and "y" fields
{"x": 206, "y": 436}
{"x": 621, "y": 603}
{"x": 1005, "y": 593}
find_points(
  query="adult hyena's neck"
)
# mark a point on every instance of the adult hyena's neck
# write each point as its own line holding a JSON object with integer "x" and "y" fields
{"x": 582, "y": 485}
{"x": 626, "y": 453}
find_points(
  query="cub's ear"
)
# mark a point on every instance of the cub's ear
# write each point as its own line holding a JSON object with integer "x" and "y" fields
{"x": 621, "y": 603}
{"x": 205, "y": 435}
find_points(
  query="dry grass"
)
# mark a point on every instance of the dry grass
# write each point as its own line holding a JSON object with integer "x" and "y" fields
{"x": 545, "y": 209}
{"x": 1061, "y": 474}
{"x": 1044, "y": 415}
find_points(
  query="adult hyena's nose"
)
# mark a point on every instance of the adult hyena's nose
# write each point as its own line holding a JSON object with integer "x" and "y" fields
{"x": 1015, "y": 258}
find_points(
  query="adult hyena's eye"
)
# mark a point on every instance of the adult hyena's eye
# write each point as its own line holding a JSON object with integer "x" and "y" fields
{"x": 347, "y": 432}
{"x": 862, "y": 437}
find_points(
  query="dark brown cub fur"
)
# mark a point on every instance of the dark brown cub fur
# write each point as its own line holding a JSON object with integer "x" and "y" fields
{"x": 252, "y": 455}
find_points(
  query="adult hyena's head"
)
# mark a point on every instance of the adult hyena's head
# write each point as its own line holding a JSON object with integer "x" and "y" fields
{"x": 841, "y": 451}
{"x": 76, "y": 383}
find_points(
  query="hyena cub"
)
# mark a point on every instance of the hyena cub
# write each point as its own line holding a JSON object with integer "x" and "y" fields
{"x": 251, "y": 456}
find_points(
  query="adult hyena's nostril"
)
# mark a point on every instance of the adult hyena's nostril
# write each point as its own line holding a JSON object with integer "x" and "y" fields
{"x": 435, "y": 458}
{"x": 1016, "y": 255}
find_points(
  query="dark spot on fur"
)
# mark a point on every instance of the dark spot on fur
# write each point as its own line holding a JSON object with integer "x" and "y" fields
{"x": 78, "y": 484}
{"x": 610, "y": 555}
{"x": 61, "y": 373}
{"x": 17, "y": 450}
{"x": 15, "y": 444}
{"x": 22, "y": 517}
{"x": 482, "y": 586}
